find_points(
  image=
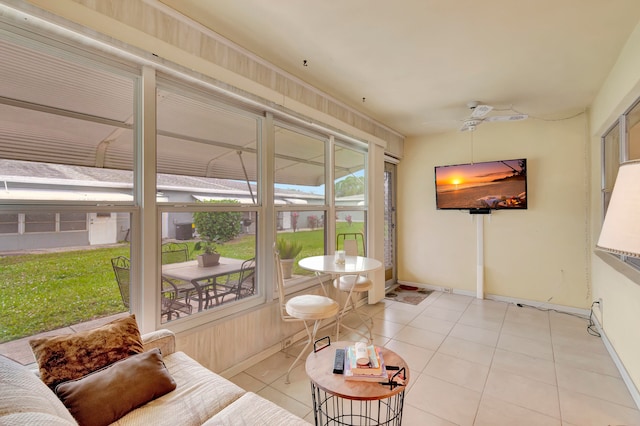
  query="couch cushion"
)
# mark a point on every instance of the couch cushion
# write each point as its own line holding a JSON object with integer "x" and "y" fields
{"x": 252, "y": 409}
{"x": 24, "y": 399}
{"x": 72, "y": 356}
{"x": 104, "y": 396}
{"x": 200, "y": 394}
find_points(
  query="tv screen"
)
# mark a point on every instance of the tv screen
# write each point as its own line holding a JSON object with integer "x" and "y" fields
{"x": 487, "y": 185}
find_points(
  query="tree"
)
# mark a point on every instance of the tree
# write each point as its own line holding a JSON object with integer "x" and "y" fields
{"x": 351, "y": 185}
{"x": 218, "y": 226}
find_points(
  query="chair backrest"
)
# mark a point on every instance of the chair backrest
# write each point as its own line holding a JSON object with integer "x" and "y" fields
{"x": 247, "y": 279}
{"x": 350, "y": 247}
{"x": 174, "y": 253}
{"x": 122, "y": 271}
{"x": 280, "y": 285}
{"x": 349, "y": 238}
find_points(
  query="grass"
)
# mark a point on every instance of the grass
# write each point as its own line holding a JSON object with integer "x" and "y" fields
{"x": 46, "y": 291}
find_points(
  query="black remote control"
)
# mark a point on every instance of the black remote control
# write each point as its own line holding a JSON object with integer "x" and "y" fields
{"x": 338, "y": 363}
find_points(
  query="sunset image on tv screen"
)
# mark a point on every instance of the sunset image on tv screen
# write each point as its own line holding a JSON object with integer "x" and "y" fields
{"x": 494, "y": 185}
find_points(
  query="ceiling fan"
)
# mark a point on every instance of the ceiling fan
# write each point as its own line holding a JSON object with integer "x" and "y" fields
{"x": 479, "y": 115}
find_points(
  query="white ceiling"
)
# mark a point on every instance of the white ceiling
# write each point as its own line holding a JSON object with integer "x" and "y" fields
{"x": 417, "y": 63}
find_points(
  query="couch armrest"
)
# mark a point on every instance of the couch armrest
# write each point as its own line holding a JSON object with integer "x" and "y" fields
{"x": 162, "y": 339}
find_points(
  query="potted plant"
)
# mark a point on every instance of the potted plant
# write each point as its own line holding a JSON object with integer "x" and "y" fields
{"x": 209, "y": 255}
{"x": 288, "y": 251}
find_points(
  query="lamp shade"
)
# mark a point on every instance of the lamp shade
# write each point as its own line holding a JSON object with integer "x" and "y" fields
{"x": 620, "y": 232}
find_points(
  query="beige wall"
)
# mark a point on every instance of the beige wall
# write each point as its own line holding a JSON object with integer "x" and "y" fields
{"x": 539, "y": 254}
{"x": 620, "y": 295}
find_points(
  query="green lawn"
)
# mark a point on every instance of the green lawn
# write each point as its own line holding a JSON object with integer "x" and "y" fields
{"x": 46, "y": 291}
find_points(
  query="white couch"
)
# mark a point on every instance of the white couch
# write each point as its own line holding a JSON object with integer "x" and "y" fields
{"x": 200, "y": 398}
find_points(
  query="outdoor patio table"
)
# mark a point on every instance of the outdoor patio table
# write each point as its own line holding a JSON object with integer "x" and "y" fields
{"x": 201, "y": 277}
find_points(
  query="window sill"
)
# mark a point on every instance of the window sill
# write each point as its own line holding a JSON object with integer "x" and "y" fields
{"x": 616, "y": 263}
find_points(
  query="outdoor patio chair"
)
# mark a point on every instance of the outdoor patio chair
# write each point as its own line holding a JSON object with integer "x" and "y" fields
{"x": 171, "y": 303}
{"x": 121, "y": 268}
{"x": 171, "y": 300}
{"x": 237, "y": 285}
{"x": 174, "y": 253}
{"x": 361, "y": 247}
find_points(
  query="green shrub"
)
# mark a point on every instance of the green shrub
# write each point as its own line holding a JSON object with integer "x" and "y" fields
{"x": 218, "y": 226}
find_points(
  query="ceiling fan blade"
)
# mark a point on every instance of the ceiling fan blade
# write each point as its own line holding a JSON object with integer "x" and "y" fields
{"x": 480, "y": 111}
{"x": 517, "y": 117}
{"x": 470, "y": 125}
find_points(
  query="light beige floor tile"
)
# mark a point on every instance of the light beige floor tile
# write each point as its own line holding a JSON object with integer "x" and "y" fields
{"x": 271, "y": 368}
{"x": 467, "y": 350}
{"x": 487, "y": 324}
{"x": 526, "y": 315}
{"x": 580, "y": 357}
{"x": 286, "y": 402}
{"x": 299, "y": 387}
{"x": 444, "y": 400}
{"x": 453, "y": 303}
{"x": 579, "y": 342}
{"x": 597, "y": 385}
{"x": 494, "y": 412}
{"x": 577, "y": 337}
{"x": 584, "y": 410}
{"x": 380, "y": 340}
{"x": 413, "y": 416}
{"x": 470, "y": 375}
{"x": 432, "y": 324}
{"x": 530, "y": 331}
{"x": 309, "y": 418}
{"x": 523, "y": 345}
{"x": 386, "y": 328}
{"x": 415, "y": 356}
{"x": 418, "y": 337}
{"x": 482, "y": 316}
{"x": 488, "y": 303}
{"x": 524, "y": 392}
{"x": 441, "y": 313}
{"x": 247, "y": 382}
{"x": 475, "y": 334}
{"x": 525, "y": 365}
{"x": 457, "y": 298}
{"x": 396, "y": 315}
{"x": 486, "y": 311}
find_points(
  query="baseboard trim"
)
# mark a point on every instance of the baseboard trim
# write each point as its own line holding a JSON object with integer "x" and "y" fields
{"x": 515, "y": 301}
{"x": 626, "y": 378}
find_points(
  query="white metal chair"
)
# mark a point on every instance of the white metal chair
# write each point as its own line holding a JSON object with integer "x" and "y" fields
{"x": 352, "y": 285}
{"x": 305, "y": 308}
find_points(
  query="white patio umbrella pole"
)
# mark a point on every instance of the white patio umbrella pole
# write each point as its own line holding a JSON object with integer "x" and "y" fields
{"x": 480, "y": 256}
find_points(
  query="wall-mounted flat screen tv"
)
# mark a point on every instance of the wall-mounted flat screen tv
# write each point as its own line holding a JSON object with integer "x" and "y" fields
{"x": 480, "y": 186}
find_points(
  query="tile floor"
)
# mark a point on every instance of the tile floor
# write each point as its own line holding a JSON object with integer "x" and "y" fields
{"x": 479, "y": 362}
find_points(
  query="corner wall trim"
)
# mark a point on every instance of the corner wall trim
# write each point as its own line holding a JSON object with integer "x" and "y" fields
{"x": 633, "y": 390}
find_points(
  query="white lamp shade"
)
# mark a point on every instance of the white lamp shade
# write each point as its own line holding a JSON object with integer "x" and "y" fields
{"x": 620, "y": 232}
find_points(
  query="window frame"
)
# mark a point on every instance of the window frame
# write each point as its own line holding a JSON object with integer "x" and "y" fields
{"x": 146, "y": 211}
{"x": 622, "y": 126}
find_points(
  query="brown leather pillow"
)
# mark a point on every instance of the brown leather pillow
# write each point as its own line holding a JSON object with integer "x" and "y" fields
{"x": 72, "y": 356}
{"x": 102, "y": 397}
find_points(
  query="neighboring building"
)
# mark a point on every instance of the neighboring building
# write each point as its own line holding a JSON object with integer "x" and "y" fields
{"x": 24, "y": 181}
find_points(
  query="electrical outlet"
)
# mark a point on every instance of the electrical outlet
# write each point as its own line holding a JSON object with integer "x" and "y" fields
{"x": 600, "y": 304}
{"x": 286, "y": 343}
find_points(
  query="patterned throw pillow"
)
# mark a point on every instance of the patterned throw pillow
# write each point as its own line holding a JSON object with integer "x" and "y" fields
{"x": 72, "y": 356}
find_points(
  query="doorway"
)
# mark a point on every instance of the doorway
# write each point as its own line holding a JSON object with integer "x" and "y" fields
{"x": 390, "y": 254}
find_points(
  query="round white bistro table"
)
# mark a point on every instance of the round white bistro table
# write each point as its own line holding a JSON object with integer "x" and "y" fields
{"x": 353, "y": 265}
